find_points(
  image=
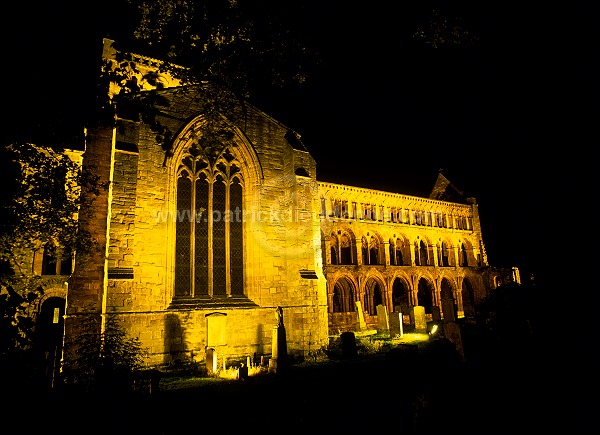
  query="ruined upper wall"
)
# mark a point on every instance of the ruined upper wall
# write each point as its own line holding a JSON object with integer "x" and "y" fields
{"x": 148, "y": 76}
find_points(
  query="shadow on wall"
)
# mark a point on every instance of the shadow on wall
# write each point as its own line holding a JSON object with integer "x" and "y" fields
{"x": 175, "y": 351}
{"x": 260, "y": 337}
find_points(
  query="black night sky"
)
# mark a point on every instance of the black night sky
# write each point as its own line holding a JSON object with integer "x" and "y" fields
{"x": 387, "y": 111}
{"x": 508, "y": 120}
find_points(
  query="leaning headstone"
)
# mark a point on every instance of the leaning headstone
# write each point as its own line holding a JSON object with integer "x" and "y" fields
{"x": 420, "y": 318}
{"x": 243, "y": 372}
{"x": 383, "y": 323}
{"x": 396, "y": 327}
{"x": 448, "y": 308}
{"x": 436, "y": 315}
{"x": 411, "y": 316}
{"x": 362, "y": 325}
{"x": 348, "y": 340}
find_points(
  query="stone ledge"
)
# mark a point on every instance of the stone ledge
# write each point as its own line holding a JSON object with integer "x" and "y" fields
{"x": 195, "y": 303}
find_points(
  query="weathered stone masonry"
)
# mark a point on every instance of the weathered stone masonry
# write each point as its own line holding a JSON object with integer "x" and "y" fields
{"x": 184, "y": 284}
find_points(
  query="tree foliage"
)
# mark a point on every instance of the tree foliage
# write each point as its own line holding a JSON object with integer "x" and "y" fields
{"x": 236, "y": 43}
{"x": 234, "y": 49}
{"x": 39, "y": 205}
{"x": 104, "y": 359}
{"x": 236, "y": 46}
{"x": 441, "y": 30}
{"x": 509, "y": 312}
{"x": 42, "y": 200}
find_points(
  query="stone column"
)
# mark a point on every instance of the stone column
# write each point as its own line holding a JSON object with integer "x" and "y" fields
{"x": 386, "y": 252}
{"x": 87, "y": 286}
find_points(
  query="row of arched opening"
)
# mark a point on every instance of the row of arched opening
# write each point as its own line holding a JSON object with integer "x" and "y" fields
{"x": 399, "y": 298}
{"x": 344, "y": 250}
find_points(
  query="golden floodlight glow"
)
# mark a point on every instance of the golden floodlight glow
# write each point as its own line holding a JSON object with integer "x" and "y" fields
{"x": 410, "y": 338}
{"x": 234, "y": 372}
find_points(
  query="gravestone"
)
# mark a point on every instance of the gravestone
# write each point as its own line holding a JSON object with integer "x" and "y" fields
{"x": 211, "y": 361}
{"x": 436, "y": 315}
{"x": 396, "y": 327}
{"x": 362, "y": 325}
{"x": 411, "y": 317}
{"x": 418, "y": 314}
{"x": 348, "y": 340}
{"x": 448, "y": 309}
{"x": 243, "y": 372}
{"x": 383, "y": 323}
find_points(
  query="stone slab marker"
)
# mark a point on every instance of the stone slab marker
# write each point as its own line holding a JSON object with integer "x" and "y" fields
{"x": 448, "y": 310}
{"x": 396, "y": 327}
{"x": 436, "y": 314}
{"x": 362, "y": 325}
{"x": 383, "y": 323}
{"x": 211, "y": 361}
{"x": 216, "y": 328}
{"x": 420, "y": 319}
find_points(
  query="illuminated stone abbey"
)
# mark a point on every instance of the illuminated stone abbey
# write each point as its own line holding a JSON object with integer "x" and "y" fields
{"x": 201, "y": 249}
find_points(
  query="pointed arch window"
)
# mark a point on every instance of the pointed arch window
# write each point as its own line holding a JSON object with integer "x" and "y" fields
{"x": 209, "y": 229}
{"x": 399, "y": 256}
{"x": 445, "y": 251}
{"x": 337, "y": 300}
{"x": 334, "y": 249}
{"x": 374, "y": 251}
{"x": 421, "y": 254}
{"x": 464, "y": 259}
{"x": 347, "y": 249}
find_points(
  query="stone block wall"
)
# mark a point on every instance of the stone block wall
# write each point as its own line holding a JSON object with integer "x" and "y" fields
{"x": 282, "y": 248}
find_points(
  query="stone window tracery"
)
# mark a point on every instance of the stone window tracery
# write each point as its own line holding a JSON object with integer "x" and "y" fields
{"x": 209, "y": 226}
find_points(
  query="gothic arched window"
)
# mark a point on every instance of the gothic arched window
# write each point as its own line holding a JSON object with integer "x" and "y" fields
{"x": 209, "y": 234}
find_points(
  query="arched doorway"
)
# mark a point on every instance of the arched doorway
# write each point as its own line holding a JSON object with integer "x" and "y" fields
{"x": 49, "y": 331}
